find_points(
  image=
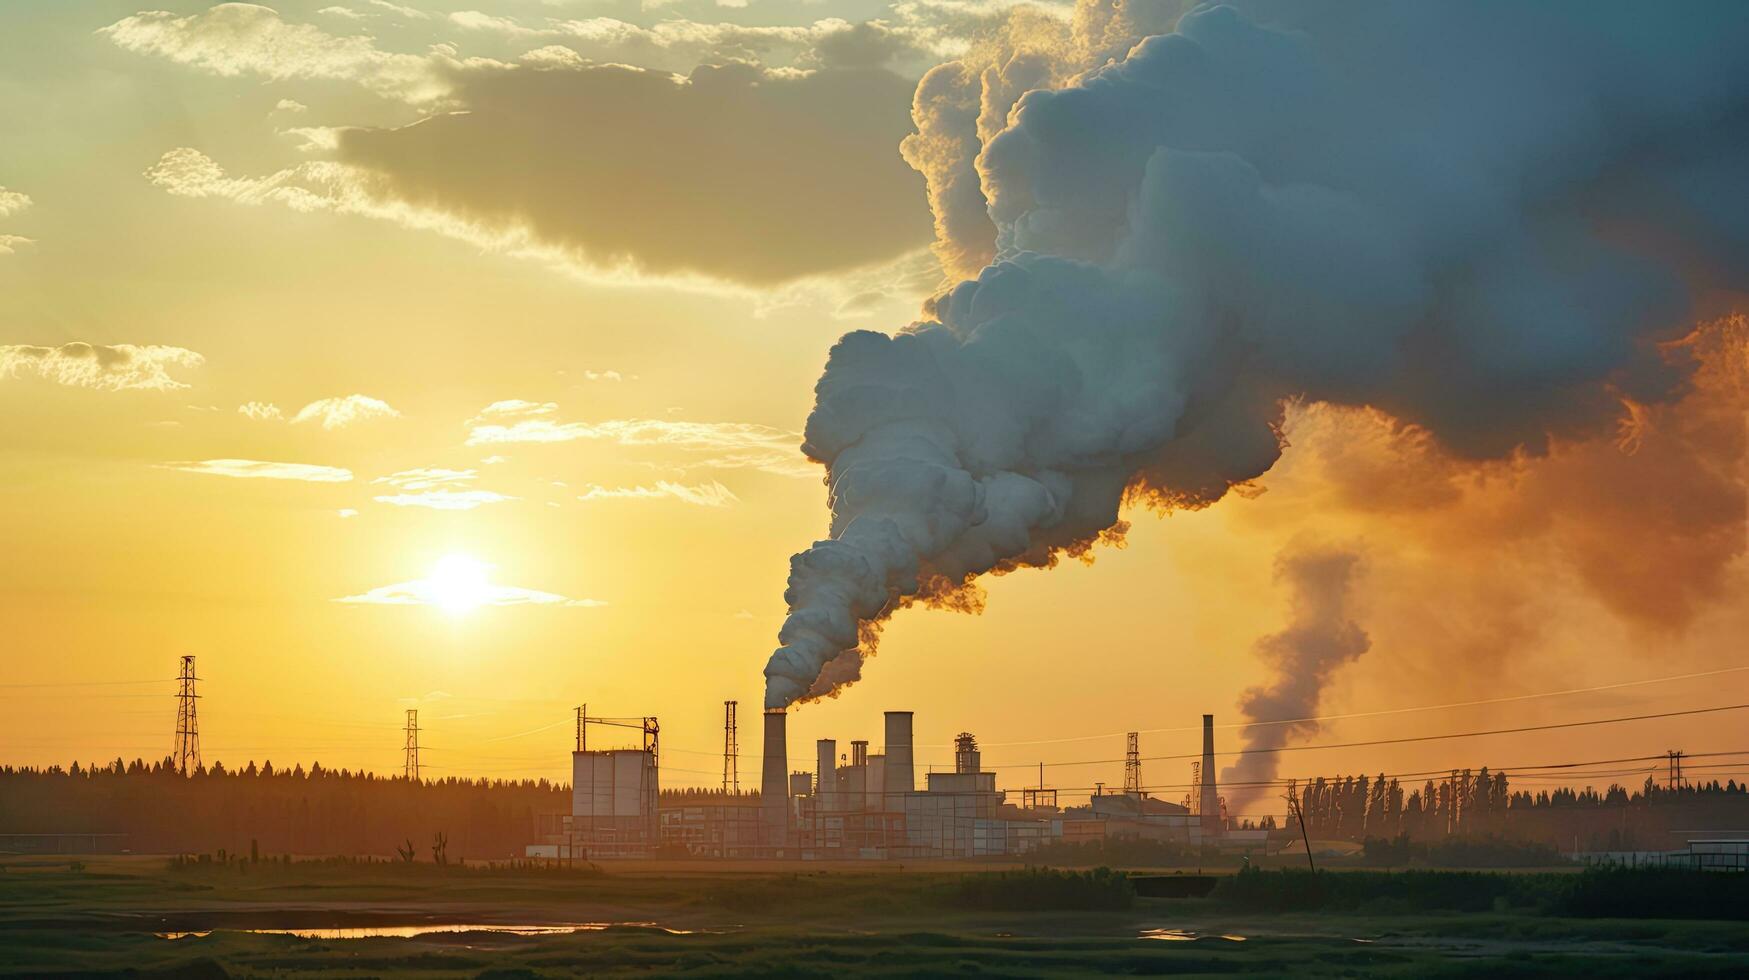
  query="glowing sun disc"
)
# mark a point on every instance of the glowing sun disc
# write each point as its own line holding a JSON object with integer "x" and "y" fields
{"x": 457, "y": 584}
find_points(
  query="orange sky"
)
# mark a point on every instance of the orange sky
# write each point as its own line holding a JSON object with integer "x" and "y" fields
{"x": 654, "y": 494}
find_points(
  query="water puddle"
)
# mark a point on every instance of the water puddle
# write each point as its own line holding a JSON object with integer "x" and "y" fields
{"x": 1186, "y": 936}
{"x": 431, "y": 928}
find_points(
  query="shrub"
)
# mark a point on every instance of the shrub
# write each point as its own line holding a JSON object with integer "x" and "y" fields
{"x": 1043, "y": 888}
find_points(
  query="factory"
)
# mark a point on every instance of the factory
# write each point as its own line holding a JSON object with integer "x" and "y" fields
{"x": 854, "y": 805}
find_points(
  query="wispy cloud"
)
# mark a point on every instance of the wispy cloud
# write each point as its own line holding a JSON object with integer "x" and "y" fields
{"x": 427, "y": 478}
{"x": 107, "y": 368}
{"x": 514, "y": 408}
{"x": 336, "y": 413}
{"x": 402, "y": 9}
{"x": 711, "y": 494}
{"x": 637, "y": 432}
{"x": 234, "y": 39}
{"x": 437, "y": 488}
{"x": 444, "y": 499}
{"x": 12, "y": 202}
{"x": 730, "y": 445}
{"x": 260, "y": 411}
{"x": 721, "y": 445}
{"x": 263, "y": 470}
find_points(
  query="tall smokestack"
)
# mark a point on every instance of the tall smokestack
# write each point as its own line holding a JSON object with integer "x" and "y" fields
{"x": 897, "y": 777}
{"x": 1211, "y": 801}
{"x": 826, "y": 778}
{"x": 774, "y": 781}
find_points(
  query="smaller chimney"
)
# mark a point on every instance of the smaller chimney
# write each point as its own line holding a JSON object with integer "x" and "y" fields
{"x": 826, "y": 778}
{"x": 965, "y": 754}
{"x": 1210, "y": 801}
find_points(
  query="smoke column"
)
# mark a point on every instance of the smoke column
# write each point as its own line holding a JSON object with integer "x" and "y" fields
{"x": 1480, "y": 218}
{"x": 1319, "y": 638}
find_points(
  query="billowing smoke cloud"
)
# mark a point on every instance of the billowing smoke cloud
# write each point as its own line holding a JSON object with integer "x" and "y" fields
{"x": 962, "y": 105}
{"x": 1319, "y": 638}
{"x": 1481, "y": 219}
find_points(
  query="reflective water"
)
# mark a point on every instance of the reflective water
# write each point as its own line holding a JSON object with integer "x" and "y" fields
{"x": 431, "y": 928}
{"x": 1185, "y": 935}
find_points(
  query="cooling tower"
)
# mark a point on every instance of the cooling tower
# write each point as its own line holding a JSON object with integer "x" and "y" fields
{"x": 774, "y": 780}
{"x": 1210, "y": 802}
{"x": 898, "y": 777}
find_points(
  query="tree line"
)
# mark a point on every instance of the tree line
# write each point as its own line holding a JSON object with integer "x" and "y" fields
{"x": 1483, "y": 804}
{"x": 276, "y": 810}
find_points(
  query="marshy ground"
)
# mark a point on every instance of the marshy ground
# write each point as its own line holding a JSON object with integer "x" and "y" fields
{"x": 116, "y": 916}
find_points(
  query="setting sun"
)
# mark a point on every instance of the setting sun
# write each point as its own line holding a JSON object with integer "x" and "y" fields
{"x": 457, "y": 584}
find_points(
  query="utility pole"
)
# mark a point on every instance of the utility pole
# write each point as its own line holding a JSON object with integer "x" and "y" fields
{"x": 1132, "y": 766}
{"x": 1293, "y": 809}
{"x": 731, "y": 751}
{"x": 187, "y": 753}
{"x": 410, "y": 766}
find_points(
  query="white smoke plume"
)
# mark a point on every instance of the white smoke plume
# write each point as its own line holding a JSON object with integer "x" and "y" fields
{"x": 1319, "y": 638}
{"x": 962, "y": 105}
{"x": 1480, "y": 218}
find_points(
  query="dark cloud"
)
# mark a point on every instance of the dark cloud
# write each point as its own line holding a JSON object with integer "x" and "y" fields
{"x": 735, "y": 172}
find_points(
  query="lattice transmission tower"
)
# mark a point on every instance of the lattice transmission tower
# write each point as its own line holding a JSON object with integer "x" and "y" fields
{"x": 731, "y": 751}
{"x": 410, "y": 764}
{"x": 1132, "y": 765}
{"x": 187, "y": 754}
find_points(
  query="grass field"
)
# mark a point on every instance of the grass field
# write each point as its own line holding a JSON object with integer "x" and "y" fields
{"x": 105, "y": 917}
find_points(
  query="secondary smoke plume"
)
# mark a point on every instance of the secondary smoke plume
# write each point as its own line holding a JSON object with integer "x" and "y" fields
{"x": 1478, "y": 218}
{"x": 1319, "y": 638}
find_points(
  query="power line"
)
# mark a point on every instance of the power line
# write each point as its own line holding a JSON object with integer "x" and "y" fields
{"x": 1505, "y": 699}
{"x": 1401, "y": 740}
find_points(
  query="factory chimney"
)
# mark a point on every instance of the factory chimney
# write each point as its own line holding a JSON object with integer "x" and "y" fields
{"x": 1210, "y": 803}
{"x": 897, "y": 776}
{"x": 965, "y": 754}
{"x": 826, "y": 779}
{"x": 774, "y": 781}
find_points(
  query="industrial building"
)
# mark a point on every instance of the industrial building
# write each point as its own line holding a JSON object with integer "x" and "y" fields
{"x": 858, "y": 805}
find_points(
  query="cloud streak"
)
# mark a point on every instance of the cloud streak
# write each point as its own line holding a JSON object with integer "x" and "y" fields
{"x": 711, "y": 494}
{"x": 255, "y": 469}
{"x": 723, "y": 445}
{"x": 237, "y": 39}
{"x": 444, "y": 499}
{"x": 118, "y": 367}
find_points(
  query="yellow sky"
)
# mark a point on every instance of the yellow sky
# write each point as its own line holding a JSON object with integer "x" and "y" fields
{"x": 121, "y": 553}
